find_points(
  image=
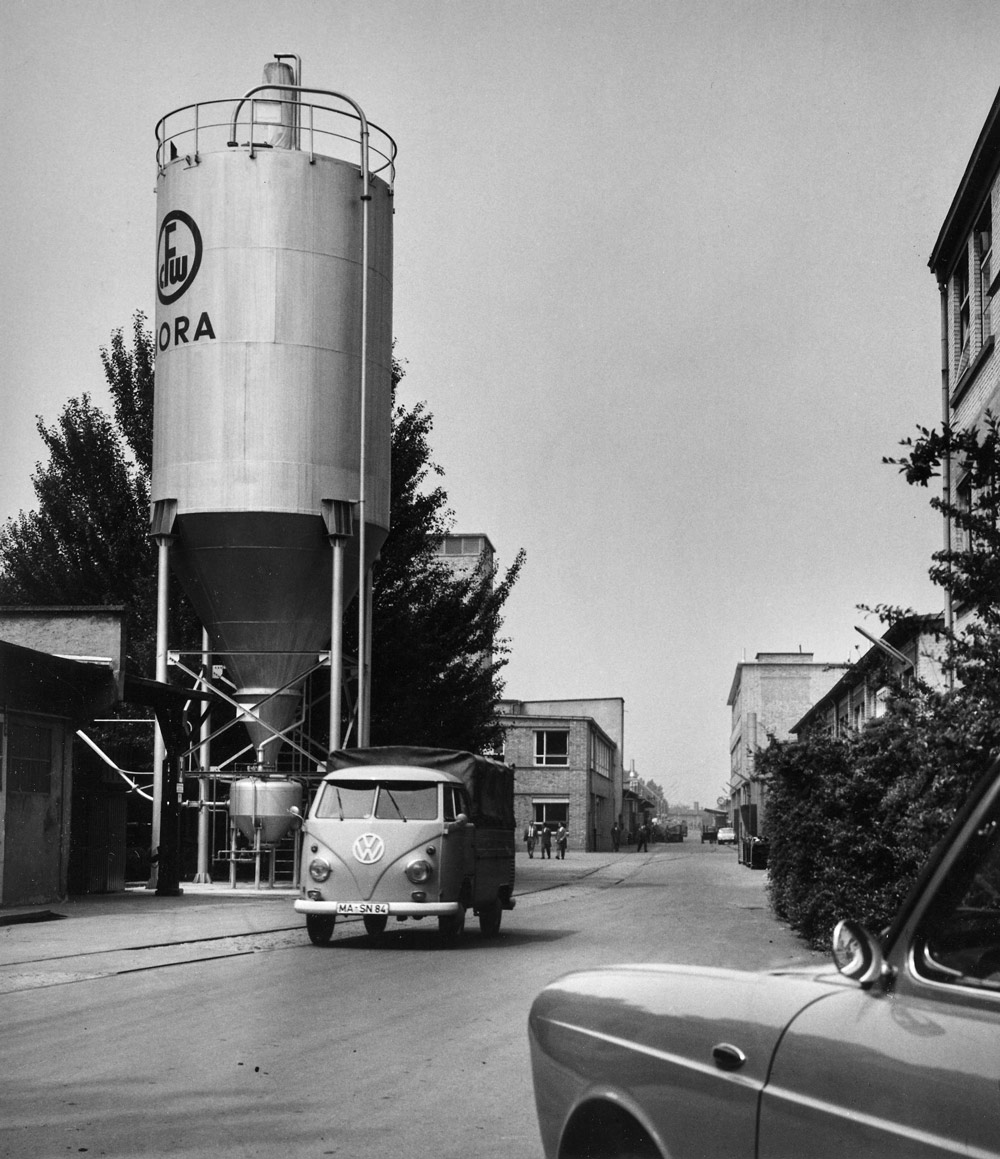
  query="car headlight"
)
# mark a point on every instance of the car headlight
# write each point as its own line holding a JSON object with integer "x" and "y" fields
{"x": 418, "y": 871}
{"x": 319, "y": 870}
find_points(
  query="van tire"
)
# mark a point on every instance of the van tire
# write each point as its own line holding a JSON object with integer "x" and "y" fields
{"x": 375, "y": 924}
{"x": 450, "y": 926}
{"x": 489, "y": 919}
{"x": 319, "y": 927}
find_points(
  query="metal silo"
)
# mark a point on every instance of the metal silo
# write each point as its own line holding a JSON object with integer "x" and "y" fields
{"x": 273, "y": 372}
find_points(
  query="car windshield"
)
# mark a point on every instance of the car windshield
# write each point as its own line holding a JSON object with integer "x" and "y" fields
{"x": 386, "y": 800}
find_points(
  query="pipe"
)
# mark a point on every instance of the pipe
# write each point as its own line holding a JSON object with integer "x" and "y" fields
{"x": 203, "y": 876}
{"x": 949, "y": 611}
{"x": 336, "y": 640}
{"x": 159, "y": 748}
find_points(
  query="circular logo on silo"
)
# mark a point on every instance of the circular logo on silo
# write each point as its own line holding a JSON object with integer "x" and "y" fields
{"x": 178, "y": 255}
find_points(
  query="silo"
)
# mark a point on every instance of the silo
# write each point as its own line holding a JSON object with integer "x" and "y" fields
{"x": 273, "y": 227}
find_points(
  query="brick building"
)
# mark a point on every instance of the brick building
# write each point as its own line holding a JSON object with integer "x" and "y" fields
{"x": 567, "y": 757}
{"x": 769, "y": 694}
{"x": 968, "y": 276}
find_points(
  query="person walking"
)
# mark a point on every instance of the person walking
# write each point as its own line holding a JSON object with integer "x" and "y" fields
{"x": 529, "y": 839}
{"x": 546, "y": 842}
{"x": 561, "y": 836}
{"x": 616, "y": 837}
{"x": 641, "y": 838}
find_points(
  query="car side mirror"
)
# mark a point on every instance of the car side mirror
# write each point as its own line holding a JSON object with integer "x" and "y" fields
{"x": 857, "y": 953}
{"x": 295, "y": 812}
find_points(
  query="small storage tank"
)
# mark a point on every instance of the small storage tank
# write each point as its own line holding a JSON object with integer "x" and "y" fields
{"x": 262, "y": 225}
{"x": 262, "y": 805}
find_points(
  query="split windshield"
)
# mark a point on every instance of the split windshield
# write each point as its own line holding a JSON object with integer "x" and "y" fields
{"x": 383, "y": 800}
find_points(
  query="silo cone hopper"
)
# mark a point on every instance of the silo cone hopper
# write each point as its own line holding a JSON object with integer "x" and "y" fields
{"x": 260, "y": 583}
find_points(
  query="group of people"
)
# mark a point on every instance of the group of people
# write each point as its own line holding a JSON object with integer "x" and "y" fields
{"x": 542, "y": 835}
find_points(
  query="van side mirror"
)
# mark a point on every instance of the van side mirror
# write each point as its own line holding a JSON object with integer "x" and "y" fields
{"x": 295, "y": 812}
{"x": 460, "y": 822}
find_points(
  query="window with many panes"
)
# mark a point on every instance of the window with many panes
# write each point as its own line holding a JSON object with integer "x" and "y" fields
{"x": 964, "y": 306}
{"x": 551, "y": 747}
{"x": 984, "y": 263}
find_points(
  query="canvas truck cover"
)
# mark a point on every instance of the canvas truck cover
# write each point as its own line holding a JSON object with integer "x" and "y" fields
{"x": 490, "y": 783}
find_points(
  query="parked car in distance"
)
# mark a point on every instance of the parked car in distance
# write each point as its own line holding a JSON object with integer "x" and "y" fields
{"x": 726, "y": 835}
{"x": 891, "y": 1050}
{"x": 708, "y": 835}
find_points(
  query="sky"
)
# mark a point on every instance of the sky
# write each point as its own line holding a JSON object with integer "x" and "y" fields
{"x": 660, "y": 277}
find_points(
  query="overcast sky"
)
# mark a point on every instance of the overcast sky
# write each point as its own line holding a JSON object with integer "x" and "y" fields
{"x": 660, "y": 276}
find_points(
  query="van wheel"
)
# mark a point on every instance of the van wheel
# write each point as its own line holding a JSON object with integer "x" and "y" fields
{"x": 451, "y": 925}
{"x": 375, "y": 924}
{"x": 489, "y": 919}
{"x": 319, "y": 927}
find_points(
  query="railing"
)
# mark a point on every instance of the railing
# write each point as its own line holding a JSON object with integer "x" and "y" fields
{"x": 267, "y": 121}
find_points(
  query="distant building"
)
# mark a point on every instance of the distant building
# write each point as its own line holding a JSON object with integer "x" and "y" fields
{"x": 965, "y": 263}
{"x": 466, "y": 552}
{"x": 911, "y": 649}
{"x": 567, "y": 757}
{"x": 769, "y": 694}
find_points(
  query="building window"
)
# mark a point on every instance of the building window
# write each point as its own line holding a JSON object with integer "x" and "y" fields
{"x": 984, "y": 247}
{"x": 964, "y": 314}
{"x": 29, "y": 758}
{"x": 551, "y": 813}
{"x": 552, "y": 747}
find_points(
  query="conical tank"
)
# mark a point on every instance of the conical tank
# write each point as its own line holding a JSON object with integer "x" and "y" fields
{"x": 257, "y": 411}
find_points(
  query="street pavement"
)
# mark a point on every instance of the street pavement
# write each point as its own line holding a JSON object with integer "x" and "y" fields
{"x": 138, "y": 919}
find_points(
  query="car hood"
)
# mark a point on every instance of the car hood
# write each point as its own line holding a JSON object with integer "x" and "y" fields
{"x": 678, "y": 1013}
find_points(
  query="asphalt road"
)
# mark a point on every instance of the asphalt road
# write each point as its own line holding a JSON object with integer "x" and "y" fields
{"x": 260, "y": 1044}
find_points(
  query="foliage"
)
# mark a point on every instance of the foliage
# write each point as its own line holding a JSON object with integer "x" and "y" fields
{"x": 436, "y": 649}
{"x": 87, "y": 541}
{"x": 850, "y": 820}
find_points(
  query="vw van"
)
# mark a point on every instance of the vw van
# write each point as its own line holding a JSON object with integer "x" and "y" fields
{"x": 408, "y": 834}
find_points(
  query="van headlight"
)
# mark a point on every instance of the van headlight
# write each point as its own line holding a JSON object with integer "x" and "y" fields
{"x": 418, "y": 871}
{"x": 319, "y": 870}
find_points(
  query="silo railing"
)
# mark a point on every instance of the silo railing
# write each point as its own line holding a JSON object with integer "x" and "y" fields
{"x": 262, "y": 121}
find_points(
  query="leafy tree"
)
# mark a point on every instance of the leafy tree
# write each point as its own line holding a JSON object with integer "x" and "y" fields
{"x": 436, "y": 649}
{"x": 87, "y": 542}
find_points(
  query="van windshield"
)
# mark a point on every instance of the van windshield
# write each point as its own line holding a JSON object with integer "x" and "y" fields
{"x": 384, "y": 800}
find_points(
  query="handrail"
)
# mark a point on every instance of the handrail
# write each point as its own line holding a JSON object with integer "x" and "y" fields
{"x": 195, "y": 125}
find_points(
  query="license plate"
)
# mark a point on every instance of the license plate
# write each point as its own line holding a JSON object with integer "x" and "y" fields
{"x": 362, "y": 907}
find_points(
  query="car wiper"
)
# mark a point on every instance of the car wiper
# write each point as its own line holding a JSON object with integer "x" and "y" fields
{"x": 388, "y": 793}
{"x": 340, "y": 805}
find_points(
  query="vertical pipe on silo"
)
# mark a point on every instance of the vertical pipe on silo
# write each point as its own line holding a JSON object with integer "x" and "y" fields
{"x": 364, "y": 673}
{"x": 159, "y": 748}
{"x": 203, "y": 876}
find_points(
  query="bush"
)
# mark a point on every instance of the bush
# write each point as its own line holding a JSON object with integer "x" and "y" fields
{"x": 851, "y": 820}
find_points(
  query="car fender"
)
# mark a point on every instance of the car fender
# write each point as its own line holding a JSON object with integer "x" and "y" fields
{"x": 647, "y": 1035}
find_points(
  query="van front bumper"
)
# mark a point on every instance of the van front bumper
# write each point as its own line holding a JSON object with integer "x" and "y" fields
{"x": 402, "y": 909}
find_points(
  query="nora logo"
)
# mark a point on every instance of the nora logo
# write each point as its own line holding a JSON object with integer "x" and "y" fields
{"x": 178, "y": 255}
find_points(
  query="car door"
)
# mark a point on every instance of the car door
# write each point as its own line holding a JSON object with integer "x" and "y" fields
{"x": 912, "y": 1069}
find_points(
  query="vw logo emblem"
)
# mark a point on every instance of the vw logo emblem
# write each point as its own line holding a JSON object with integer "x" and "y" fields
{"x": 368, "y": 848}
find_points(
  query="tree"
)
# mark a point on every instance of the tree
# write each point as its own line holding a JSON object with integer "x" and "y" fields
{"x": 87, "y": 542}
{"x": 437, "y": 653}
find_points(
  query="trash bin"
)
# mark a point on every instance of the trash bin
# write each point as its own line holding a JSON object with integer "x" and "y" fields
{"x": 758, "y": 854}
